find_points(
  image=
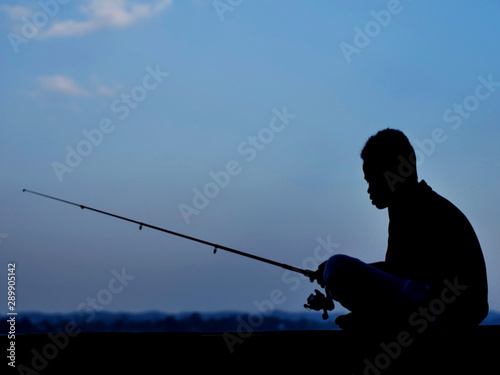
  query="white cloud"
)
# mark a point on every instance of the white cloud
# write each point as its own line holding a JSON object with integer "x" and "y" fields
{"x": 58, "y": 86}
{"x": 106, "y": 91}
{"x": 106, "y": 14}
{"x": 16, "y": 12}
{"x": 61, "y": 84}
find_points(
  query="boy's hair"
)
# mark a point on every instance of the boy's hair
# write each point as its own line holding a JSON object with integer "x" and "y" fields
{"x": 386, "y": 150}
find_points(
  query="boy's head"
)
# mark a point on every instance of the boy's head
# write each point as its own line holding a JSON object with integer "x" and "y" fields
{"x": 389, "y": 162}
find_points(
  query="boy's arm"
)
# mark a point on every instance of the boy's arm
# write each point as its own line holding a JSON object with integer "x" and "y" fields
{"x": 379, "y": 265}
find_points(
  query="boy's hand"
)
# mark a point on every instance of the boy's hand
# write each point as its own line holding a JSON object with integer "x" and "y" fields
{"x": 318, "y": 275}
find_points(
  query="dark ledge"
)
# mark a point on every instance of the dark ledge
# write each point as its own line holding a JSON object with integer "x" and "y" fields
{"x": 467, "y": 352}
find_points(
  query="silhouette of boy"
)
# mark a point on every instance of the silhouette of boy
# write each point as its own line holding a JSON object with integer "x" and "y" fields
{"x": 434, "y": 271}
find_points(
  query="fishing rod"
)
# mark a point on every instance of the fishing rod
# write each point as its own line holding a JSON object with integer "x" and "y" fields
{"x": 308, "y": 273}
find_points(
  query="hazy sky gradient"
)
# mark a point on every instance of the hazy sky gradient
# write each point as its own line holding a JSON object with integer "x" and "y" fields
{"x": 229, "y": 72}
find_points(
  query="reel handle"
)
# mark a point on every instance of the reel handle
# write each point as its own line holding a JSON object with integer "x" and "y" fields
{"x": 317, "y": 301}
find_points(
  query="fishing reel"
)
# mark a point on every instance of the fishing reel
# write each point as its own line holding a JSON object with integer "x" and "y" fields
{"x": 318, "y": 301}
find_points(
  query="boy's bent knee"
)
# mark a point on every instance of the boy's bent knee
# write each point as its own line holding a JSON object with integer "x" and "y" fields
{"x": 338, "y": 269}
{"x": 336, "y": 266}
{"x": 338, "y": 263}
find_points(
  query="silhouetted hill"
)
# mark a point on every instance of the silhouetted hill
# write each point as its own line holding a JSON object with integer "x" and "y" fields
{"x": 153, "y": 321}
{"x": 36, "y": 322}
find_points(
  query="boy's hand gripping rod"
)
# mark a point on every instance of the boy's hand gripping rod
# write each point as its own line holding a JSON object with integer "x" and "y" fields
{"x": 308, "y": 273}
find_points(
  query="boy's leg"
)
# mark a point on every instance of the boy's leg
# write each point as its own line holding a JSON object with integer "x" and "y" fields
{"x": 364, "y": 288}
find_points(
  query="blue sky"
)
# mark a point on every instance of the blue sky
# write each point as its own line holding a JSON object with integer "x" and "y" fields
{"x": 171, "y": 91}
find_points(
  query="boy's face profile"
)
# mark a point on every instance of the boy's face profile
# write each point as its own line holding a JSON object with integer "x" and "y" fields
{"x": 378, "y": 188}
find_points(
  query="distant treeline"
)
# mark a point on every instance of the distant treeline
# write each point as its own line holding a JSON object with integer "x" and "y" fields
{"x": 194, "y": 322}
